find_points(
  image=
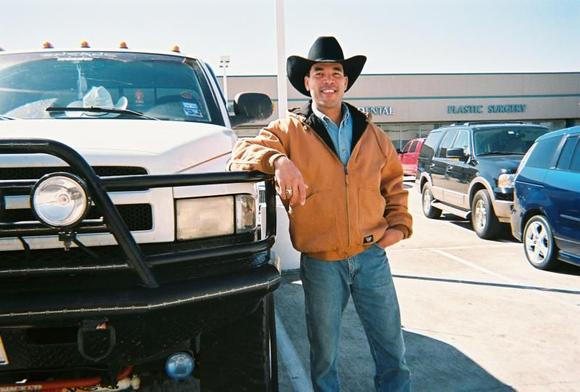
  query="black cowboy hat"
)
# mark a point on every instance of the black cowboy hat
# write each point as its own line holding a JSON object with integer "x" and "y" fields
{"x": 323, "y": 50}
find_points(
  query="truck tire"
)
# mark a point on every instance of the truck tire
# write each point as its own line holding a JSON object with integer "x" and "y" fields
{"x": 241, "y": 356}
{"x": 483, "y": 219}
{"x": 426, "y": 198}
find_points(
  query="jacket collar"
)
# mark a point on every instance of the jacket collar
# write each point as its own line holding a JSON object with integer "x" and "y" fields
{"x": 307, "y": 116}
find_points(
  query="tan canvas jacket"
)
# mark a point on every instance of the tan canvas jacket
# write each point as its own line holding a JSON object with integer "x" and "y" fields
{"x": 347, "y": 208}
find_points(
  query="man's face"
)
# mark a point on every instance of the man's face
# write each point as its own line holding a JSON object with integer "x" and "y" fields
{"x": 327, "y": 84}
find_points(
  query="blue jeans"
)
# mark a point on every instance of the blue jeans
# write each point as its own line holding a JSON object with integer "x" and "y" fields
{"x": 327, "y": 288}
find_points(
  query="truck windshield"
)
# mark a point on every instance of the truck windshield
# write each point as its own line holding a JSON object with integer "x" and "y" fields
{"x": 134, "y": 86}
{"x": 506, "y": 140}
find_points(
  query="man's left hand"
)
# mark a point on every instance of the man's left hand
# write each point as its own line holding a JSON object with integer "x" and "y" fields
{"x": 390, "y": 238}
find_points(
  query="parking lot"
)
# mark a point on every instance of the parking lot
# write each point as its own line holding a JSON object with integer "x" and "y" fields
{"x": 476, "y": 317}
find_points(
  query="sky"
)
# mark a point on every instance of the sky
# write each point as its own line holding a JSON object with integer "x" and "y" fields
{"x": 397, "y": 36}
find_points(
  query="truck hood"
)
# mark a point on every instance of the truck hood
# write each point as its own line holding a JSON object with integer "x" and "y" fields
{"x": 160, "y": 146}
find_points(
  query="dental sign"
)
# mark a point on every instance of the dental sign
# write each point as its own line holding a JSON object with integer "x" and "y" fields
{"x": 477, "y": 109}
{"x": 377, "y": 110}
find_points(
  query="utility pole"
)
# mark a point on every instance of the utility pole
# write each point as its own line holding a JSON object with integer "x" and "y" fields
{"x": 224, "y": 64}
{"x": 281, "y": 56}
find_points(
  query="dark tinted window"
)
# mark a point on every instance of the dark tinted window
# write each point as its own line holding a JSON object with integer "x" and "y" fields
{"x": 566, "y": 154}
{"x": 543, "y": 154}
{"x": 575, "y": 164}
{"x": 446, "y": 143}
{"x": 462, "y": 141}
{"x": 413, "y": 146}
{"x": 431, "y": 142}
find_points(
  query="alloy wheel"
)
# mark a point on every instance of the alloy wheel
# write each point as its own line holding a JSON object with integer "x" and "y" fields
{"x": 427, "y": 199}
{"x": 537, "y": 243}
{"x": 480, "y": 214}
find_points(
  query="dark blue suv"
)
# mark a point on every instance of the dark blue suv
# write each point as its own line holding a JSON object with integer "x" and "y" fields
{"x": 546, "y": 212}
{"x": 468, "y": 170}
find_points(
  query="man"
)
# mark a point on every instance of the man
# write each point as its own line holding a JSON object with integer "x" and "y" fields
{"x": 342, "y": 184}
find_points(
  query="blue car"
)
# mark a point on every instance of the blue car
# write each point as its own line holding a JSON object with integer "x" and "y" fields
{"x": 546, "y": 211}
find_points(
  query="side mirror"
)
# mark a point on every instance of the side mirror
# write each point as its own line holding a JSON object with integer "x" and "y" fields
{"x": 399, "y": 151}
{"x": 457, "y": 153}
{"x": 249, "y": 107}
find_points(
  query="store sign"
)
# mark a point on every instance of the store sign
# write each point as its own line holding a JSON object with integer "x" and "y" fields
{"x": 475, "y": 109}
{"x": 377, "y": 110}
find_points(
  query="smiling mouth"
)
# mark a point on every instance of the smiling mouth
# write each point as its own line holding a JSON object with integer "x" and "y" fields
{"x": 328, "y": 91}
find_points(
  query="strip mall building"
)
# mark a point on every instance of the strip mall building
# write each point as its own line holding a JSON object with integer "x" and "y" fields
{"x": 407, "y": 106}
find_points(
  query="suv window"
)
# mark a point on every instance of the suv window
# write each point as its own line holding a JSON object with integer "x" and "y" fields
{"x": 543, "y": 154}
{"x": 431, "y": 142}
{"x": 505, "y": 140}
{"x": 446, "y": 143}
{"x": 462, "y": 141}
{"x": 413, "y": 146}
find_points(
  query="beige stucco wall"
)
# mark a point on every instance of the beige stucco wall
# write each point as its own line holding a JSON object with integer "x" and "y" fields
{"x": 427, "y": 97}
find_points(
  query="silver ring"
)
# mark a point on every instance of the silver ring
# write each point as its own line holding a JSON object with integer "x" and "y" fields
{"x": 289, "y": 191}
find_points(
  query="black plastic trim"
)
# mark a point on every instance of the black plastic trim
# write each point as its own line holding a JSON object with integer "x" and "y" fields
{"x": 82, "y": 303}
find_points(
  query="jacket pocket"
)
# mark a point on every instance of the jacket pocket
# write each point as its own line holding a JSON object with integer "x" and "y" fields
{"x": 371, "y": 208}
{"x": 313, "y": 225}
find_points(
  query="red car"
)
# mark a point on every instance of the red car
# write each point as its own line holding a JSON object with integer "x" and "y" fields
{"x": 409, "y": 156}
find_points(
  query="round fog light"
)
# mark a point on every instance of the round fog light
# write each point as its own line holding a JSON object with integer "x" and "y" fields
{"x": 60, "y": 199}
{"x": 179, "y": 366}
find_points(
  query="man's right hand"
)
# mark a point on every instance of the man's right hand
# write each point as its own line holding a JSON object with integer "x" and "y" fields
{"x": 291, "y": 184}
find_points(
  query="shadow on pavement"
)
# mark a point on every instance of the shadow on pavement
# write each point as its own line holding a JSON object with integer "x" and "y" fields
{"x": 435, "y": 365}
{"x": 505, "y": 234}
{"x": 567, "y": 269}
{"x": 438, "y": 366}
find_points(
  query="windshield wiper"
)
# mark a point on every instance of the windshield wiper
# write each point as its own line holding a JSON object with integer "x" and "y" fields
{"x": 3, "y": 117}
{"x": 96, "y": 109}
{"x": 501, "y": 153}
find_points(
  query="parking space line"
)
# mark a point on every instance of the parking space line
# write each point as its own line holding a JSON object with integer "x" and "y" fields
{"x": 476, "y": 283}
{"x": 499, "y": 276}
{"x": 298, "y": 378}
{"x": 458, "y": 247}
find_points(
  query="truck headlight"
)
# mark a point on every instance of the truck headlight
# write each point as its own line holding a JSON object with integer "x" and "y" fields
{"x": 506, "y": 181}
{"x": 60, "y": 199}
{"x": 214, "y": 216}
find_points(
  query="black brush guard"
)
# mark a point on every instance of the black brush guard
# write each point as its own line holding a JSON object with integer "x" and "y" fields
{"x": 264, "y": 279}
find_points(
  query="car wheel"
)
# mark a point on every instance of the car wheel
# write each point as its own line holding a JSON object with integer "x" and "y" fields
{"x": 426, "y": 199}
{"x": 483, "y": 219}
{"x": 241, "y": 356}
{"x": 539, "y": 245}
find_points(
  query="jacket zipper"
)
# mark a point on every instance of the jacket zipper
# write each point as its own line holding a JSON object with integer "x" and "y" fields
{"x": 347, "y": 206}
{"x": 345, "y": 182}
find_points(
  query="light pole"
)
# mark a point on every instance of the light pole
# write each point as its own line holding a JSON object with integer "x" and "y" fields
{"x": 281, "y": 57}
{"x": 224, "y": 64}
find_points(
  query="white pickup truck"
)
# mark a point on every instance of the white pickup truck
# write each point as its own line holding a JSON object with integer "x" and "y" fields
{"x": 127, "y": 254}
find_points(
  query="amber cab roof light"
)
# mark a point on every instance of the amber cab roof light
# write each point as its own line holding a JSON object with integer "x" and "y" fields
{"x": 47, "y": 45}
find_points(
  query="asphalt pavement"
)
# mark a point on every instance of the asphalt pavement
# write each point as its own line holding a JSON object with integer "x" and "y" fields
{"x": 476, "y": 317}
